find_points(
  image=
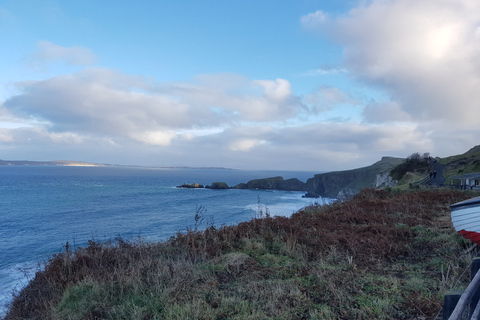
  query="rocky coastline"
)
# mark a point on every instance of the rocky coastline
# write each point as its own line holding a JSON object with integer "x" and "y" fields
{"x": 274, "y": 183}
{"x": 338, "y": 184}
{"x": 343, "y": 185}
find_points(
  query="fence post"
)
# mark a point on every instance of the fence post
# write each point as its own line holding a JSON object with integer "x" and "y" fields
{"x": 465, "y": 299}
{"x": 450, "y": 301}
{"x": 476, "y": 293}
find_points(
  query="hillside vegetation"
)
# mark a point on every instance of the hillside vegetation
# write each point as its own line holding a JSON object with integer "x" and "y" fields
{"x": 391, "y": 172}
{"x": 468, "y": 162}
{"x": 380, "y": 255}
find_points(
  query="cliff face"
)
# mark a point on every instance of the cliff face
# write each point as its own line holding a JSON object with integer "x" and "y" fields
{"x": 338, "y": 183}
{"x": 385, "y": 180}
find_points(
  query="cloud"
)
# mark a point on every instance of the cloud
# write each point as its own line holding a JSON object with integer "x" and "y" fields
{"x": 353, "y": 137}
{"x": 328, "y": 97}
{"x": 234, "y": 98}
{"x": 334, "y": 146}
{"x": 245, "y": 144}
{"x": 322, "y": 146}
{"x": 48, "y": 52}
{"x": 314, "y": 20}
{"x": 97, "y": 102}
{"x": 5, "y": 136}
{"x": 325, "y": 70}
{"x": 100, "y": 102}
{"x": 421, "y": 56}
{"x": 157, "y": 138}
{"x": 423, "y": 53}
{"x": 6, "y": 16}
{"x": 385, "y": 112}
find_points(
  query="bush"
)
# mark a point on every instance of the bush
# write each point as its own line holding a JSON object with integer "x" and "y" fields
{"x": 414, "y": 163}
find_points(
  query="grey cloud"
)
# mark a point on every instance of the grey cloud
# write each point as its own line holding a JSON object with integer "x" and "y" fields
{"x": 320, "y": 146}
{"x": 354, "y": 137}
{"x": 385, "y": 112}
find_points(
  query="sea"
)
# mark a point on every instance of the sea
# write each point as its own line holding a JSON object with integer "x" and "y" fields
{"x": 44, "y": 207}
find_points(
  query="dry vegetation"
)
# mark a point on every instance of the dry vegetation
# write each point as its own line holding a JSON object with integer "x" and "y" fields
{"x": 378, "y": 256}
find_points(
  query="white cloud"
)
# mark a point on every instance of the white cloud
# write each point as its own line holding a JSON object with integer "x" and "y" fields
{"x": 245, "y": 144}
{"x": 157, "y": 138}
{"x": 65, "y": 137}
{"x": 102, "y": 103}
{"x": 424, "y": 53}
{"x": 234, "y": 98}
{"x": 5, "y": 135}
{"x": 48, "y": 52}
{"x": 326, "y": 70}
{"x": 277, "y": 90}
{"x": 314, "y": 20}
{"x": 424, "y": 58}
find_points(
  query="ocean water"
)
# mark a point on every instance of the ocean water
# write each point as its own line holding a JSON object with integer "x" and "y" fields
{"x": 43, "y": 207}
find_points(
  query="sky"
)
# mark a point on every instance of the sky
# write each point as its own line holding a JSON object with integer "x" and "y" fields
{"x": 311, "y": 85}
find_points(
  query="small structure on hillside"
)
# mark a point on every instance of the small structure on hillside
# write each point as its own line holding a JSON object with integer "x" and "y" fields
{"x": 467, "y": 181}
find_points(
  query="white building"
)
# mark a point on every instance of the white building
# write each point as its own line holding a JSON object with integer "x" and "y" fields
{"x": 467, "y": 181}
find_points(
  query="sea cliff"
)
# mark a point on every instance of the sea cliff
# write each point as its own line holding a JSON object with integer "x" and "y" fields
{"x": 348, "y": 182}
{"x": 336, "y": 184}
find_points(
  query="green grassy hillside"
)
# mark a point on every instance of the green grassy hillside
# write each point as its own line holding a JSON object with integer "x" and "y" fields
{"x": 468, "y": 162}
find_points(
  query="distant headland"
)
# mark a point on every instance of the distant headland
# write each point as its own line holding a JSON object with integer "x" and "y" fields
{"x": 415, "y": 171}
{"x": 50, "y": 163}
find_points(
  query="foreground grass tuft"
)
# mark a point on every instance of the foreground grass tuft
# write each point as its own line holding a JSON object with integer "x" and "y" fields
{"x": 378, "y": 256}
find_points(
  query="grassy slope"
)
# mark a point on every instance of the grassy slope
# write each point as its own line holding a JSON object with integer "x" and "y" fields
{"x": 468, "y": 162}
{"x": 380, "y": 255}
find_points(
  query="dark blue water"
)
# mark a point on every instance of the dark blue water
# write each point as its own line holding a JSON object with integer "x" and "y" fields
{"x": 41, "y": 208}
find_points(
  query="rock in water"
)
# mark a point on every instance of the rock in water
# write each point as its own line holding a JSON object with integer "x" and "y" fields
{"x": 218, "y": 186}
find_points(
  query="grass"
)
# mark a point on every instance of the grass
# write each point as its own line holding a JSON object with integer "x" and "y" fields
{"x": 380, "y": 255}
{"x": 410, "y": 177}
{"x": 468, "y": 162}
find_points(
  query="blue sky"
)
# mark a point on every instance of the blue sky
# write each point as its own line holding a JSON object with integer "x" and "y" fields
{"x": 294, "y": 85}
